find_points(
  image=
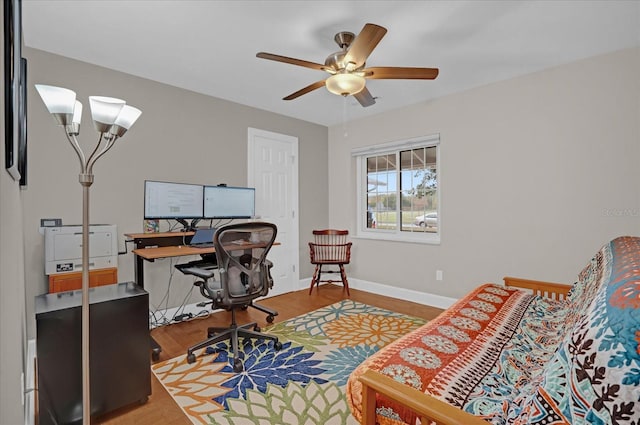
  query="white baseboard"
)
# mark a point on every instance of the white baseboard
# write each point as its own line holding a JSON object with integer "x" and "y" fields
{"x": 391, "y": 291}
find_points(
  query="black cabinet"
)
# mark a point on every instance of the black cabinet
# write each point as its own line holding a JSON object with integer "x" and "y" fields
{"x": 120, "y": 370}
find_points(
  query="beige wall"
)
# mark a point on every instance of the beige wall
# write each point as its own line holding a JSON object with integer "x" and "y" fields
{"x": 536, "y": 174}
{"x": 12, "y": 289}
{"x": 181, "y": 136}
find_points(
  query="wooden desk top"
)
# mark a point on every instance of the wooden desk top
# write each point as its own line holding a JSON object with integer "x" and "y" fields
{"x": 180, "y": 250}
{"x": 157, "y": 235}
{"x": 171, "y": 251}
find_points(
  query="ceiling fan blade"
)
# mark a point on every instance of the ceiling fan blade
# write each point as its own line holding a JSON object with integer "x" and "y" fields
{"x": 310, "y": 87}
{"x": 292, "y": 61}
{"x": 364, "y": 97}
{"x": 364, "y": 43}
{"x": 400, "y": 73}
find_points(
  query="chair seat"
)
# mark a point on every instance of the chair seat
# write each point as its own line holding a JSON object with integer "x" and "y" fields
{"x": 214, "y": 286}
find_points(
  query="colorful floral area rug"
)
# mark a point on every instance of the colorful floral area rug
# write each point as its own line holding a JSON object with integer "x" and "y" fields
{"x": 303, "y": 383}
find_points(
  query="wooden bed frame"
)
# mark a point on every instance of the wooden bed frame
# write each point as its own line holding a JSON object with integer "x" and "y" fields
{"x": 428, "y": 408}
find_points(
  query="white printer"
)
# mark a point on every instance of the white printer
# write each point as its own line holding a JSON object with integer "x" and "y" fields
{"x": 63, "y": 248}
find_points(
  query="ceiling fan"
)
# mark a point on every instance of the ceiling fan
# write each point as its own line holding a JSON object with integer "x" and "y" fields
{"x": 347, "y": 66}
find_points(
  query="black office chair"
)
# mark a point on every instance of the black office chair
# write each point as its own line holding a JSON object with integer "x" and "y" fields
{"x": 241, "y": 252}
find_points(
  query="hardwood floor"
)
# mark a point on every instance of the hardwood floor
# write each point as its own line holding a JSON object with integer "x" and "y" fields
{"x": 174, "y": 340}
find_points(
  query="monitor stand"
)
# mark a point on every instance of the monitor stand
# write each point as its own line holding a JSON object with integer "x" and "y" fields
{"x": 188, "y": 227}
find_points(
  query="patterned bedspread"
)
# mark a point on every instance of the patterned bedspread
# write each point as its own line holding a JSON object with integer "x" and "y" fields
{"x": 512, "y": 357}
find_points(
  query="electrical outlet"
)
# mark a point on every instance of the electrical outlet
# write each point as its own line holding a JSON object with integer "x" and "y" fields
{"x": 438, "y": 274}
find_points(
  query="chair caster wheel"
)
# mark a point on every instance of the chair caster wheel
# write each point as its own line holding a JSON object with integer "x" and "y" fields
{"x": 270, "y": 318}
{"x": 244, "y": 307}
{"x": 256, "y": 328}
{"x": 277, "y": 346}
{"x": 191, "y": 358}
{"x": 237, "y": 365}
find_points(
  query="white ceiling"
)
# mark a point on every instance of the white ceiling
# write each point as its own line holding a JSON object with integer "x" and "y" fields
{"x": 210, "y": 46}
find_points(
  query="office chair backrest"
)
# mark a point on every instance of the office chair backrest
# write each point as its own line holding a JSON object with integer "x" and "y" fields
{"x": 241, "y": 250}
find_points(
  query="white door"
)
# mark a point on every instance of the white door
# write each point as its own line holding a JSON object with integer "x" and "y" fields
{"x": 273, "y": 171}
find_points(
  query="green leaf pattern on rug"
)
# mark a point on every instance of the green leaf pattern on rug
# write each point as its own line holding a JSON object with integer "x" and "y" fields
{"x": 313, "y": 322}
{"x": 312, "y": 404}
{"x": 286, "y": 332}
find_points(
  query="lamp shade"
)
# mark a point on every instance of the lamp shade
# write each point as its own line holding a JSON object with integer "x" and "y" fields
{"x": 59, "y": 101}
{"x": 127, "y": 117}
{"x": 104, "y": 111}
{"x": 345, "y": 84}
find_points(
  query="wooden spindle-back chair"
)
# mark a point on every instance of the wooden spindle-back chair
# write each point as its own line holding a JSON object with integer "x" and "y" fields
{"x": 330, "y": 248}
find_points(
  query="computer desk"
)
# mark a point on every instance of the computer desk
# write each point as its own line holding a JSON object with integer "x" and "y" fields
{"x": 153, "y": 246}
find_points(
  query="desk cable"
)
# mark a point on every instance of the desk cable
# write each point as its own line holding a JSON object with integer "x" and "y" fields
{"x": 179, "y": 314}
{"x": 162, "y": 320}
{"x": 158, "y": 317}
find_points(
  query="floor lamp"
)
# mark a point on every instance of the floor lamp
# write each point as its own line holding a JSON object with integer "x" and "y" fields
{"x": 111, "y": 118}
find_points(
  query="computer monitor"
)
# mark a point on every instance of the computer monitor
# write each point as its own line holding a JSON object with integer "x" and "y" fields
{"x": 229, "y": 202}
{"x": 178, "y": 201}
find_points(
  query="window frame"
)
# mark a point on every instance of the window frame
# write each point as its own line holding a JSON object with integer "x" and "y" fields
{"x": 361, "y": 155}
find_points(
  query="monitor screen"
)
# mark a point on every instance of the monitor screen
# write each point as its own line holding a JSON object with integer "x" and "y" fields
{"x": 229, "y": 202}
{"x": 172, "y": 200}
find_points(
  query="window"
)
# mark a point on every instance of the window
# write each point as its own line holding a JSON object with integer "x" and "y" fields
{"x": 398, "y": 190}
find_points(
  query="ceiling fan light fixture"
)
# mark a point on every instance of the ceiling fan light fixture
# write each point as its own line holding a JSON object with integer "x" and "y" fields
{"x": 345, "y": 84}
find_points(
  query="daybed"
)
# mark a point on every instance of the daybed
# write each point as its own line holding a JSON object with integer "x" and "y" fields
{"x": 510, "y": 356}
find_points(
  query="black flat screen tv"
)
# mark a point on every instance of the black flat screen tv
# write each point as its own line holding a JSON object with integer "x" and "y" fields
{"x": 168, "y": 200}
{"x": 229, "y": 202}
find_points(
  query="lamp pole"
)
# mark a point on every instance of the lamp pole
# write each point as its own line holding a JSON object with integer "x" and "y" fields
{"x": 111, "y": 118}
{"x": 85, "y": 180}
